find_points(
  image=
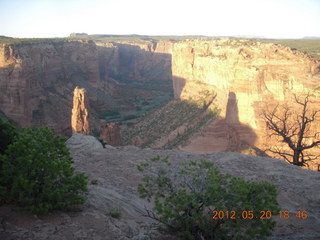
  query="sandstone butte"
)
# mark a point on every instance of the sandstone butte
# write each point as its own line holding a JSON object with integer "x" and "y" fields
{"x": 37, "y": 80}
{"x": 80, "y": 112}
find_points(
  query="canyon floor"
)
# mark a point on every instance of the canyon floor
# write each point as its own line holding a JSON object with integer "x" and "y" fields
{"x": 113, "y": 208}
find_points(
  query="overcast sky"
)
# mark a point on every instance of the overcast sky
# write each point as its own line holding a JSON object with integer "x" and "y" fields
{"x": 59, "y": 18}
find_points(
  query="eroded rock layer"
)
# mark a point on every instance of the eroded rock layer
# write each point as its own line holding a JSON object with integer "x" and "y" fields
{"x": 248, "y": 77}
{"x": 37, "y": 78}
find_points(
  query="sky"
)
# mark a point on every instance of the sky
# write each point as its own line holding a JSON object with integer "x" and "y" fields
{"x": 59, "y": 18}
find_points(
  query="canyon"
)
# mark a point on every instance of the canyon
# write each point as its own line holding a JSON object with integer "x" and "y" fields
{"x": 248, "y": 78}
{"x": 193, "y": 97}
{"x": 37, "y": 78}
{"x": 220, "y": 88}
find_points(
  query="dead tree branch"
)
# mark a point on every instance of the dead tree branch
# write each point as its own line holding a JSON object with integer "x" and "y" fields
{"x": 294, "y": 130}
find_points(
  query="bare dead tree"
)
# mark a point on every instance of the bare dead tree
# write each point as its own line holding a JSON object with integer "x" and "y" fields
{"x": 293, "y": 129}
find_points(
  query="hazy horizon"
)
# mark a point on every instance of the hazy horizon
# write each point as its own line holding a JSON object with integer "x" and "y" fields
{"x": 134, "y": 34}
{"x": 282, "y": 19}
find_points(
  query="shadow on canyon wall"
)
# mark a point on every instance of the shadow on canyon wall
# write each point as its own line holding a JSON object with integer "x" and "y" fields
{"x": 114, "y": 74}
{"x": 40, "y": 90}
{"x": 178, "y": 85}
{"x": 224, "y": 134}
{"x": 242, "y": 136}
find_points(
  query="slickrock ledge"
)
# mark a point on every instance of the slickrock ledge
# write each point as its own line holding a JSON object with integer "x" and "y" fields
{"x": 114, "y": 169}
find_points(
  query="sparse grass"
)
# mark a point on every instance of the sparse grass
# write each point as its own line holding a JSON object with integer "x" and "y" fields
{"x": 163, "y": 120}
{"x": 134, "y": 38}
{"x": 114, "y": 212}
{"x": 182, "y": 139}
{"x": 308, "y": 46}
{"x": 94, "y": 182}
{"x": 8, "y": 40}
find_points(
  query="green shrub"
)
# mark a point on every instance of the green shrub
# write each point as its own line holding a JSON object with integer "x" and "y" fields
{"x": 114, "y": 212}
{"x": 185, "y": 197}
{"x": 37, "y": 174}
{"x": 8, "y": 130}
{"x": 94, "y": 182}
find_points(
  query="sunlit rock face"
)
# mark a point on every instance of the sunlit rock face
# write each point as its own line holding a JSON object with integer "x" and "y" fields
{"x": 252, "y": 71}
{"x": 37, "y": 78}
{"x": 80, "y": 112}
{"x": 247, "y": 76}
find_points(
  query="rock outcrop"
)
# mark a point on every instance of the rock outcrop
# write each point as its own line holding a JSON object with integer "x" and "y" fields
{"x": 116, "y": 190}
{"x": 110, "y": 133}
{"x": 83, "y": 143}
{"x": 247, "y": 77}
{"x": 80, "y": 112}
{"x": 37, "y": 78}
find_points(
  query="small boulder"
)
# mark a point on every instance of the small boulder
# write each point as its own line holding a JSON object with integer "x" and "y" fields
{"x": 80, "y": 142}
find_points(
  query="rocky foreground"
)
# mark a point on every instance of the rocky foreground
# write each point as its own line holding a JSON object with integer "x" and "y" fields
{"x": 113, "y": 208}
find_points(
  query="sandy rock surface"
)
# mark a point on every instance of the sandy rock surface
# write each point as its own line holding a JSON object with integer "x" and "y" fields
{"x": 114, "y": 169}
{"x": 83, "y": 143}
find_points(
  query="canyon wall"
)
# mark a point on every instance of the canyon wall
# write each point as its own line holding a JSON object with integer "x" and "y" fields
{"x": 110, "y": 133}
{"x": 248, "y": 77}
{"x": 37, "y": 78}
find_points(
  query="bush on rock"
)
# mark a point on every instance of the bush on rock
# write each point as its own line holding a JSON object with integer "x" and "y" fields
{"x": 36, "y": 172}
{"x": 187, "y": 198}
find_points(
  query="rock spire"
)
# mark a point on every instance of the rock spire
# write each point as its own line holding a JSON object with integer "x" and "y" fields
{"x": 80, "y": 113}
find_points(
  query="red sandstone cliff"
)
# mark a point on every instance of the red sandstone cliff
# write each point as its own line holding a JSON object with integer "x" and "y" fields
{"x": 247, "y": 77}
{"x": 110, "y": 133}
{"x": 37, "y": 79}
